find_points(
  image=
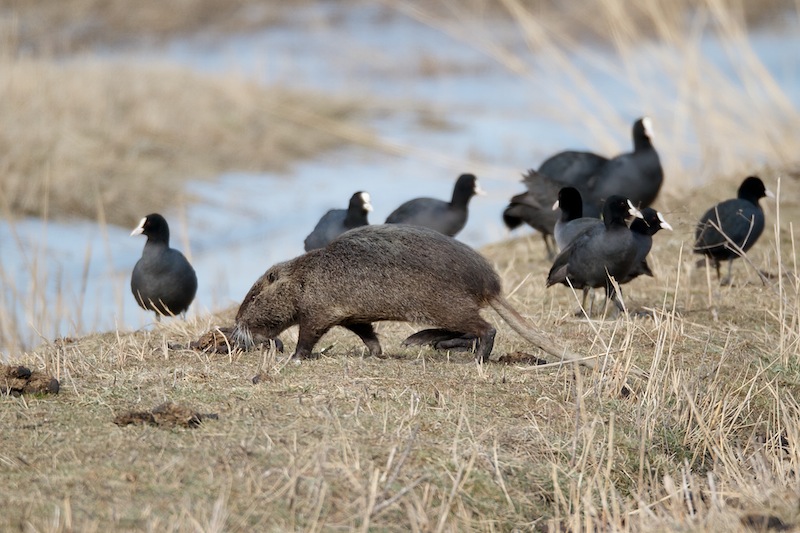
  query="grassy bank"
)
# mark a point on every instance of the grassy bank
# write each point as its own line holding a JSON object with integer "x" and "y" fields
{"x": 420, "y": 442}
{"x": 114, "y": 140}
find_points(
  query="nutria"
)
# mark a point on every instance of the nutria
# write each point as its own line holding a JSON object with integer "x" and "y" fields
{"x": 383, "y": 272}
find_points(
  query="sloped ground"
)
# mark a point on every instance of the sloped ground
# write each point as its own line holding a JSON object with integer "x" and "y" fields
{"x": 426, "y": 441}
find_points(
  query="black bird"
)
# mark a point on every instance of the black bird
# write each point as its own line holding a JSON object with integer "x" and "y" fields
{"x": 445, "y": 217}
{"x": 732, "y": 227}
{"x": 643, "y": 230}
{"x": 599, "y": 252}
{"x": 337, "y": 221}
{"x": 534, "y": 207}
{"x": 637, "y": 175}
{"x": 572, "y": 168}
{"x": 163, "y": 281}
{"x": 571, "y": 223}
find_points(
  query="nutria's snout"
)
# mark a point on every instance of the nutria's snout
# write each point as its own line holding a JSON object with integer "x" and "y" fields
{"x": 243, "y": 337}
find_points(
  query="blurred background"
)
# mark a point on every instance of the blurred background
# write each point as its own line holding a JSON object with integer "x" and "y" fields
{"x": 243, "y": 122}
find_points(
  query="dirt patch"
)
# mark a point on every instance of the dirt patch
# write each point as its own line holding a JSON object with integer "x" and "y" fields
{"x": 166, "y": 415}
{"x": 18, "y": 380}
{"x": 758, "y": 522}
{"x": 521, "y": 358}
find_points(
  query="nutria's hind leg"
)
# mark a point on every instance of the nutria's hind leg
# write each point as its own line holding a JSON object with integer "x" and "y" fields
{"x": 366, "y": 333}
{"x": 442, "y": 339}
{"x": 485, "y": 345}
{"x": 468, "y": 320}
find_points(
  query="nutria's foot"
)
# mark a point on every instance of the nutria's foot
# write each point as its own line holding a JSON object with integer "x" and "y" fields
{"x": 305, "y": 356}
{"x": 485, "y": 345}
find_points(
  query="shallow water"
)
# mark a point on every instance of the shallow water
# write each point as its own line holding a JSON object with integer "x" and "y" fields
{"x": 499, "y": 124}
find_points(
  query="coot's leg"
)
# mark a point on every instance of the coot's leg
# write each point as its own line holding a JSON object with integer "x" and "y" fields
{"x": 729, "y": 279}
{"x": 550, "y": 252}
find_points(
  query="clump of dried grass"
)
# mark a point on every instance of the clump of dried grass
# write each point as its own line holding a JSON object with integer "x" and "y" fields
{"x": 84, "y": 139}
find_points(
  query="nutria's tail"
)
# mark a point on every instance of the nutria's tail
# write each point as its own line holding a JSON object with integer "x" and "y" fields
{"x": 528, "y": 332}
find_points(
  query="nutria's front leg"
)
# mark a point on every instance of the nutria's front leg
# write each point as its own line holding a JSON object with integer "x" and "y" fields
{"x": 307, "y": 338}
{"x": 367, "y": 334}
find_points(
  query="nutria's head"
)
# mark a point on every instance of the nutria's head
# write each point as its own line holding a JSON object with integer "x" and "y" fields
{"x": 270, "y": 306}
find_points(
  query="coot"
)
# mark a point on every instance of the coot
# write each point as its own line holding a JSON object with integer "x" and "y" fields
{"x": 599, "y": 252}
{"x": 643, "y": 230}
{"x": 637, "y": 175}
{"x": 571, "y": 223}
{"x": 445, "y": 217}
{"x": 732, "y": 225}
{"x": 163, "y": 281}
{"x": 534, "y": 207}
{"x": 337, "y": 221}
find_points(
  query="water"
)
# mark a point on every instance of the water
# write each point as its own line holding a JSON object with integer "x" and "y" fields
{"x": 500, "y": 123}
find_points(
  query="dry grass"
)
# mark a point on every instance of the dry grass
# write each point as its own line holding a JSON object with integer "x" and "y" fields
{"x": 710, "y": 120}
{"x": 421, "y": 442}
{"x": 65, "y": 26}
{"x": 598, "y": 21}
{"x": 45, "y": 27}
{"x": 115, "y": 140}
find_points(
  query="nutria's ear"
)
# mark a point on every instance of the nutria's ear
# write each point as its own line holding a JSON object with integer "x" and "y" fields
{"x": 272, "y": 276}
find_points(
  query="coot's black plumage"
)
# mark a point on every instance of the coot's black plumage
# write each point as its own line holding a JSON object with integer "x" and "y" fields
{"x": 445, "y": 217}
{"x": 534, "y": 207}
{"x": 643, "y": 230}
{"x": 599, "y": 252}
{"x": 572, "y": 167}
{"x": 337, "y": 221}
{"x": 571, "y": 223}
{"x": 163, "y": 281}
{"x": 637, "y": 175}
{"x": 732, "y": 225}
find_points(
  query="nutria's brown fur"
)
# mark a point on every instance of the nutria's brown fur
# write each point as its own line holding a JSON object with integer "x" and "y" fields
{"x": 382, "y": 272}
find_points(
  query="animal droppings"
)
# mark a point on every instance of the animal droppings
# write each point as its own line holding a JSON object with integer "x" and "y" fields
{"x": 18, "y": 380}
{"x": 166, "y": 415}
